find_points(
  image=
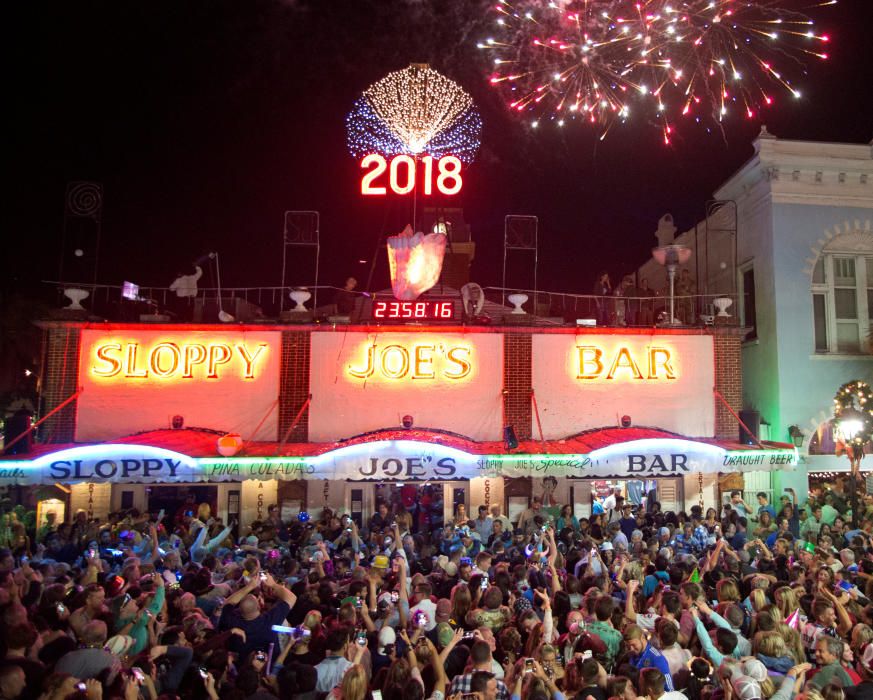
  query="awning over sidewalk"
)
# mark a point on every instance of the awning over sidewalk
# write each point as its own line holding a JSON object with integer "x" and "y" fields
{"x": 190, "y": 455}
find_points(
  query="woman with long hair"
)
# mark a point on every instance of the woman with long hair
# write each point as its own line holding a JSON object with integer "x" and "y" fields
{"x": 766, "y": 526}
{"x": 567, "y": 519}
{"x": 786, "y": 600}
{"x": 353, "y": 686}
{"x": 461, "y": 605}
{"x": 770, "y": 649}
{"x": 711, "y": 520}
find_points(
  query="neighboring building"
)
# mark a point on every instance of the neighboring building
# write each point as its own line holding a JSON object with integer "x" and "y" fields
{"x": 803, "y": 255}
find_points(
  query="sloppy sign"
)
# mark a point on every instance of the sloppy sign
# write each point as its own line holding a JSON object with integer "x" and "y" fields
{"x": 389, "y": 460}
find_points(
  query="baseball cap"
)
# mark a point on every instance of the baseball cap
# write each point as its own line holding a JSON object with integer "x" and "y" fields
{"x": 386, "y": 636}
{"x": 119, "y": 644}
{"x": 755, "y": 669}
{"x": 444, "y": 633}
{"x": 747, "y": 688}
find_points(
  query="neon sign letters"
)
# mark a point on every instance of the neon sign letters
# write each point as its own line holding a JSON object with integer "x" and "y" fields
{"x": 624, "y": 364}
{"x": 170, "y": 360}
{"x": 419, "y": 361}
{"x": 403, "y": 175}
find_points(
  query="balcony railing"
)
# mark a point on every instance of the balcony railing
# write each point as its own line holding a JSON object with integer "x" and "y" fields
{"x": 268, "y": 304}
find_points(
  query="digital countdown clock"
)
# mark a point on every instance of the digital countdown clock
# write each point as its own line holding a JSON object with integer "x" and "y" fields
{"x": 413, "y": 310}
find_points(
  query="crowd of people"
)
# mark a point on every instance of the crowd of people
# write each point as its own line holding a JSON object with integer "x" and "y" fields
{"x": 758, "y": 602}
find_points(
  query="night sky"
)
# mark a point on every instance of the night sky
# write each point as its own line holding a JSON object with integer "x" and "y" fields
{"x": 205, "y": 120}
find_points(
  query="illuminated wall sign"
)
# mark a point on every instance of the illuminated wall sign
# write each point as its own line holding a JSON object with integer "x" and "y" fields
{"x": 624, "y": 363}
{"x": 138, "y": 379}
{"x": 392, "y": 460}
{"x": 368, "y": 381}
{"x": 434, "y": 361}
{"x": 587, "y": 380}
{"x": 404, "y": 171}
{"x": 169, "y": 360}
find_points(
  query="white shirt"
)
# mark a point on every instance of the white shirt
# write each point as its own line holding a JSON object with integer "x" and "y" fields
{"x": 331, "y": 672}
{"x": 186, "y": 285}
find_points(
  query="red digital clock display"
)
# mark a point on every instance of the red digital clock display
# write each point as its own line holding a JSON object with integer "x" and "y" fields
{"x": 412, "y": 310}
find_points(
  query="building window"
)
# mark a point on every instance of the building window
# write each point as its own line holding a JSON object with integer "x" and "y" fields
{"x": 748, "y": 317}
{"x": 842, "y": 303}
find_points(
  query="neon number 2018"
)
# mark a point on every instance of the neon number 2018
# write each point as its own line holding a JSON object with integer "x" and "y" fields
{"x": 403, "y": 176}
{"x": 374, "y": 159}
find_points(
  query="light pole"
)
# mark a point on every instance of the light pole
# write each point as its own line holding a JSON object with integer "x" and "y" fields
{"x": 854, "y": 428}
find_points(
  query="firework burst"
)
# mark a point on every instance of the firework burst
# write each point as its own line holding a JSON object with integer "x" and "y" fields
{"x": 600, "y": 61}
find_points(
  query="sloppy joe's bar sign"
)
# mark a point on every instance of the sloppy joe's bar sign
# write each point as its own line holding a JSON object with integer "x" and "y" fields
{"x": 136, "y": 380}
{"x": 387, "y": 460}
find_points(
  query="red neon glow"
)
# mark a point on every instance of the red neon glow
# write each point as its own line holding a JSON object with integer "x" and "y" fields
{"x": 403, "y": 175}
{"x": 413, "y": 310}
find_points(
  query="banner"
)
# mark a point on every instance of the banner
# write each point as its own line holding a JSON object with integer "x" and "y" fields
{"x": 388, "y": 460}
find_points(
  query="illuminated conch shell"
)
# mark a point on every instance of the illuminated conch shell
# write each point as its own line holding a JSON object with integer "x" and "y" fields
{"x": 415, "y": 261}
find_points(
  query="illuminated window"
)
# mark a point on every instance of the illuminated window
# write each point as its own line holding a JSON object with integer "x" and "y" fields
{"x": 842, "y": 299}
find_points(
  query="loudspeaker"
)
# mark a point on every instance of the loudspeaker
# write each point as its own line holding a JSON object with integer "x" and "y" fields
{"x": 509, "y": 438}
{"x": 753, "y": 420}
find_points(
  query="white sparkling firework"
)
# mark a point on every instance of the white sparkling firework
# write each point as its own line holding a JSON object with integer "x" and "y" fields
{"x": 415, "y": 111}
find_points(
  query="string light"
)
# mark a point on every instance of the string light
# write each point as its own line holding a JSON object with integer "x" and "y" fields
{"x": 415, "y": 111}
{"x": 589, "y": 60}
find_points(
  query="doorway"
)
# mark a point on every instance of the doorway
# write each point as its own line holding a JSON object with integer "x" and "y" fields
{"x": 423, "y": 501}
{"x": 179, "y": 500}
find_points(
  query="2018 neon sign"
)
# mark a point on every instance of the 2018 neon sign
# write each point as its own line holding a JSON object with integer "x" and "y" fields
{"x": 403, "y": 174}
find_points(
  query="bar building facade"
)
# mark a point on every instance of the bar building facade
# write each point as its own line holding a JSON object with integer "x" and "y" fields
{"x": 313, "y": 416}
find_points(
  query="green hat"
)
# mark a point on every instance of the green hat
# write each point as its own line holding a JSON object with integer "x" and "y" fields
{"x": 444, "y": 634}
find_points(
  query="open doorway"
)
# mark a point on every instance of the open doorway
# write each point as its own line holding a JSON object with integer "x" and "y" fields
{"x": 423, "y": 501}
{"x": 180, "y": 500}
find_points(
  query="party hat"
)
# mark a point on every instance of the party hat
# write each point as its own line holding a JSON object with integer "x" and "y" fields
{"x": 793, "y": 620}
{"x": 695, "y": 576}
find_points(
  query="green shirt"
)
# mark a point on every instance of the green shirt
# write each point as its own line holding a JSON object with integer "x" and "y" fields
{"x": 611, "y": 638}
{"x": 830, "y": 673}
{"x": 829, "y": 514}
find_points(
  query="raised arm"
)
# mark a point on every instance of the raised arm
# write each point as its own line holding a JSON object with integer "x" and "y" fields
{"x": 237, "y": 596}
{"x": 705, "y": 642}
{"x": 280, "y": 591}
{"x": 630, "y": 611}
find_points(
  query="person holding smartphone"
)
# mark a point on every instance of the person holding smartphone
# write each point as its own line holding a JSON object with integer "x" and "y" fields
{"x": 242, "y": 610}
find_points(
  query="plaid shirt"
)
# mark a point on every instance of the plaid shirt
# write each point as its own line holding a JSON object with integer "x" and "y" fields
{"x": 461, "y": 684}
{"x": 700, "y": 538}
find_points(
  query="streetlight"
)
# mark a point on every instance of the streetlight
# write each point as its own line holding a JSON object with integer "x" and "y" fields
{"x": 853, "y": 429}
{"x": 797, "y": 435}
